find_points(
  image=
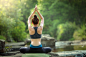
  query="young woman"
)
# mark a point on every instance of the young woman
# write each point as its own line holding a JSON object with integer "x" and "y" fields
{"x": 35, "y": 34}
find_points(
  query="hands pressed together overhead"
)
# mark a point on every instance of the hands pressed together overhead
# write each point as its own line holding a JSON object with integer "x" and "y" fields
{"x": 36, "y": 9}
{"x": 42, "y": 18}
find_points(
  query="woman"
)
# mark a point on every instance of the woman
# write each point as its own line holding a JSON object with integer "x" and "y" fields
{"x": 35, "y": 34}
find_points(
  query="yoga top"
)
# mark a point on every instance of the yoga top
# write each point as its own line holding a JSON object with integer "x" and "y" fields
{"x": 36, "y": 35}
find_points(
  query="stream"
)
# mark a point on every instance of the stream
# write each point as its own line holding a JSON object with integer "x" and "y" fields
{"x": 61, "y": 46}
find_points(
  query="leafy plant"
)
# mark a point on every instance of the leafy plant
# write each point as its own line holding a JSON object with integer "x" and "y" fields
{"x": 2, "y": 37}
{"x": 80, "y": 34}
{"x": 65, "y": 31}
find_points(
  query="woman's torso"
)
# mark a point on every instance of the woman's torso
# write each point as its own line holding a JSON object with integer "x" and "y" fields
{"x": 37, "y": 41}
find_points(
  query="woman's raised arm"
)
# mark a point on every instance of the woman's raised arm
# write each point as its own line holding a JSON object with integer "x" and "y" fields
{"x": 29, "y": 19}
{"x": 42, "y": 18}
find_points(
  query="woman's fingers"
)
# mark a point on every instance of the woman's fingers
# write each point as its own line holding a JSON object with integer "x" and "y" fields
{"x": 36, "y": 5}
{"x": 36, "y": 8}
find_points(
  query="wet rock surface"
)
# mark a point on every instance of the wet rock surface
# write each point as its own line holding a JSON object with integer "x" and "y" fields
{"x": 13, "y": 48}
{"x": 2, "y": 46}
{"x": 75, "y": 53}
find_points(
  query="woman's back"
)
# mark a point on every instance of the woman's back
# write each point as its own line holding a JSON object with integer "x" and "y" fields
{"x": 35, "y": 34}
{"x": 32, "y": 30}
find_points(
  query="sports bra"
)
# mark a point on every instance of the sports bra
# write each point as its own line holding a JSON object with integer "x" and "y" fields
{"x": 36, "y": 35}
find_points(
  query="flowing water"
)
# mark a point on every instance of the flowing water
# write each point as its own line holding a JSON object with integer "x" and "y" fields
{"x": 60, "y": 46}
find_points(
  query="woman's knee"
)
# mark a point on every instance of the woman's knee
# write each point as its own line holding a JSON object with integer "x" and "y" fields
{"x": 47, "y": 49}
{"x": 23, "y": 49}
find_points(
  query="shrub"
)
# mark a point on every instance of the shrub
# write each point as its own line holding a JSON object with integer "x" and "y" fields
{"x": 2, "y": 37}
{"x": 80, "y": 34}
{"x": 65, "y": 31}
{"x": 18, "y": 32}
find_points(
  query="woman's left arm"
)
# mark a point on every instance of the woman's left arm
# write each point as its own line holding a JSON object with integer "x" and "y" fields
{"x": 29, "y": 19}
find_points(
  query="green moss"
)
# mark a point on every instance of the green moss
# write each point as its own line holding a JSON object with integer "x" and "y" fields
{"x": 28, "y": 43}
{"x": 72, "y": 39}
{"x": 35, "y": 55}
{"x": 2, "y": 37}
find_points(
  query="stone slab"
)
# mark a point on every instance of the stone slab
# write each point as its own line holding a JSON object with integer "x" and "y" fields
{"x": 15, "y": 44}
{"x": 35, "y": 55}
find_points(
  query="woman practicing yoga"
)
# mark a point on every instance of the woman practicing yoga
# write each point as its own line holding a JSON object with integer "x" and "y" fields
{"x": 35, "y": 34}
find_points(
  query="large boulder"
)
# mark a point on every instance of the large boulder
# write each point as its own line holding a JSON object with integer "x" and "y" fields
{"x": 2, "y": 46}
{"x": 27, "y": 41}
{"x": 48, "y": 41}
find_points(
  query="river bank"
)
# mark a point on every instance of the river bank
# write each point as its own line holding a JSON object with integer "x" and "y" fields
{"x": 59, "y": 48}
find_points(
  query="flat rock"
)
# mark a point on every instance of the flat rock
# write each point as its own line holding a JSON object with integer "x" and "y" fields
{"x": 15, "y": 44}
{"x": 75, "y": 53}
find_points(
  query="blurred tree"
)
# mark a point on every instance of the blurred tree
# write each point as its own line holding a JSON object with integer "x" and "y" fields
{"x": 11, "y": 17}
{"x": 65, "y": 31}
{"x": 80, "y": 7}
{"x": 54, "y": 13}
{"x": 80, "y": 34}
{"x": 2, "y": 37}
{"x": 18, "y": 32}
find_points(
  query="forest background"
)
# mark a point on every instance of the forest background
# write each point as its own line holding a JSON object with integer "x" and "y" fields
{"x": 65, "y": 20}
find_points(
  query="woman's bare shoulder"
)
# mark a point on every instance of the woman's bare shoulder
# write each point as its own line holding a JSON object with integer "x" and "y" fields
{"x": 30, "y": 28}
{"x": 40, "y": 28}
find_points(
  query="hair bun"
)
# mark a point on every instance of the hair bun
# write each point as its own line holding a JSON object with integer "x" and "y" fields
{"x": 35, "y": 16}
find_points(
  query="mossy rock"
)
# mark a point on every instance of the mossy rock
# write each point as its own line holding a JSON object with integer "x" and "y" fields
{"x": 35, "y": 55}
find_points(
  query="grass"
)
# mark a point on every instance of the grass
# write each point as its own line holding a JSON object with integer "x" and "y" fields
{"x": 35, "y": 55}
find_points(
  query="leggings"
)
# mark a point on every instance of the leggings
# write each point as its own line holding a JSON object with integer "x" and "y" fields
{"x": 35, "y": 50}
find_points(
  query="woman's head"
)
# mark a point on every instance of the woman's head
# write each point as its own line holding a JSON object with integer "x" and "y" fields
{"x": 35, "y": 20}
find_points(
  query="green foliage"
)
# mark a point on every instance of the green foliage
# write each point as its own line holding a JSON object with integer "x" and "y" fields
{"x": 65, "y": 31}
{"x": 18, "y": 32}
{"x": 6, "y": 25}
{"x": 80, "y": 34}
{"x": 55, "y": 12}
{"x": 79, "y": 47}
{"x": 72, "y": 39}
{"x": 10, "y": 16}
{"x": 80, "y": 7}
{"x": 2, "y": 37}
{"x": 53, "y": 29}
{"x": 28, "y": 43}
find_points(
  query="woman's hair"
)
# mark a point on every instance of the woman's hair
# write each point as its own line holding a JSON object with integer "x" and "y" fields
{"x": 35, "y": 20}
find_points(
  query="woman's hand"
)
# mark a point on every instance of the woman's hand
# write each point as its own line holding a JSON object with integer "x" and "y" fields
{"x": 33, "y": 12}
{"x": 36, "y": 9}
